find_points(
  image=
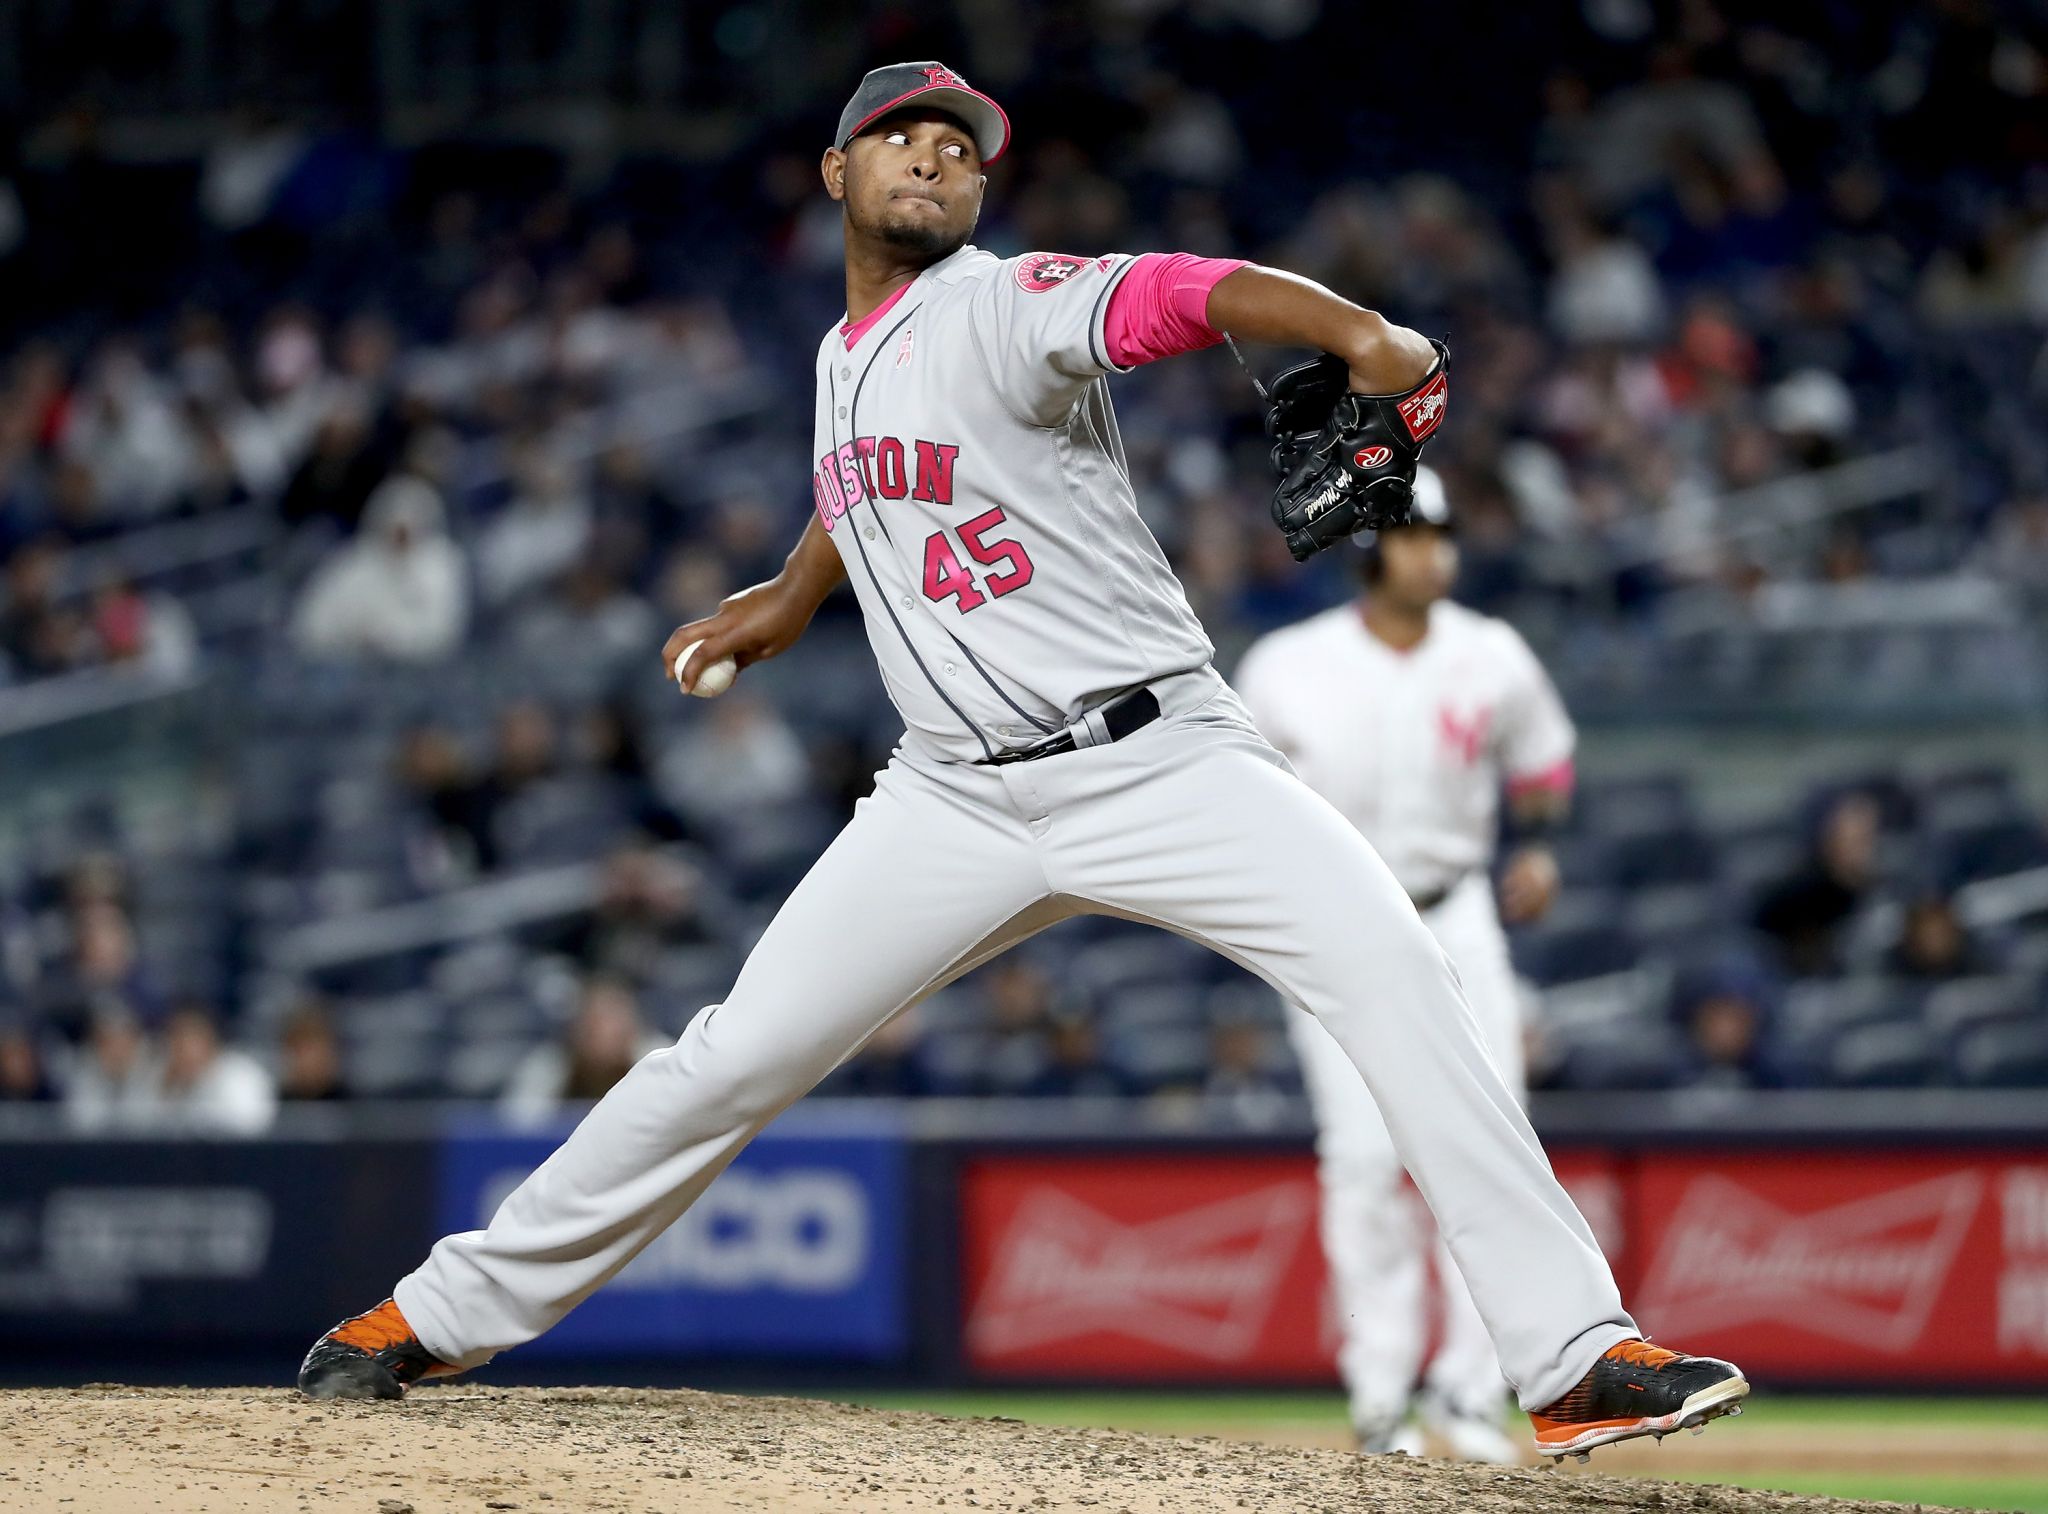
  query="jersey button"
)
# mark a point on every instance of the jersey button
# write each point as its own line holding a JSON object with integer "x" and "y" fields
{"x": 846, "y": 373}
{"x": 842, "y": 412}
{"x": 1005, "y": 731}
{"x": 906, "y": 601}
{"x": 871, "y": 533}
{"x": 950, "y": 670}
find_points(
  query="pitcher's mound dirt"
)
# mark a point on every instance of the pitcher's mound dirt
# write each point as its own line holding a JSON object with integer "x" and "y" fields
{"x": 458, "y": 1449}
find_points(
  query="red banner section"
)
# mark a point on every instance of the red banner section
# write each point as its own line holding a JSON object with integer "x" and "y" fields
{"x": 1820, "y": 1267}
{"x": 1143, "y": 1268}
{"x": 1838, "y": 1266}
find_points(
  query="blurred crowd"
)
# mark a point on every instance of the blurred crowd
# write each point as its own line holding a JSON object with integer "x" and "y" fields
{"x": 417, "y": 450}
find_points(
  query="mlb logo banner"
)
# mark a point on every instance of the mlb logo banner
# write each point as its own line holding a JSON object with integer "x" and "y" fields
{"x": 1144, "y": 1267}
{"x": 1825, "y": 1267}
{"x": 797, "y": 1250}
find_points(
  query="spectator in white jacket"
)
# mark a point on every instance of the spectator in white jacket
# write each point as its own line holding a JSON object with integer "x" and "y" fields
{"x": 208, "y": 1088}
{"x": 399, "y": 591}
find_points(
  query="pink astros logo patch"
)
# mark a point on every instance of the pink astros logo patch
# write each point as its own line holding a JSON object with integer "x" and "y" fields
{"x": 1046, "y": 270}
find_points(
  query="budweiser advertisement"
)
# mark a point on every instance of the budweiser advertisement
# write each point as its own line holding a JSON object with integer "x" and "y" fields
{"x": 1180, "y": 1267}
{"x": 1840, "y": 1266}
{"x": 1816, "y": 1266}
{"x": 1138, "y": 1267}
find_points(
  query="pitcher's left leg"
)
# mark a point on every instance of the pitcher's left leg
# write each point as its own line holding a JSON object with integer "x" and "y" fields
{"x": 1240, "y": 853}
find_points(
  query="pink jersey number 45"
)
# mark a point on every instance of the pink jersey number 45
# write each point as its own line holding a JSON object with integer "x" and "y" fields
{"x": 946, "y": 577}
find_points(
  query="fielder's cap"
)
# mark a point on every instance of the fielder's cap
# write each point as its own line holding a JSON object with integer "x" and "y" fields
{"x": 1430, "y": 506}
{"x": 897, "y": 85}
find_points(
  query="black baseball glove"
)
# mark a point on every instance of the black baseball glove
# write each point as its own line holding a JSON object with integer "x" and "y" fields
{"x": 1346, "y": 461}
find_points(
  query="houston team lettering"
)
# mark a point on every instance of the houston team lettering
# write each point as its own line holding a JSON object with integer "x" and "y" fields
{"x": 879, "y": 468}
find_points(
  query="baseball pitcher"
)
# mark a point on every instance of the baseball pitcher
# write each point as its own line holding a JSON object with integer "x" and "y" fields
{"x": 1069, "y": 750}
{"x": 1408, "y": 713}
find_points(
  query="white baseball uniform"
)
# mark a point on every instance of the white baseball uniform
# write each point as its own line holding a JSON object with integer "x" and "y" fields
{"x": 1413, "y": 748}
{"x": 969, "y": 470}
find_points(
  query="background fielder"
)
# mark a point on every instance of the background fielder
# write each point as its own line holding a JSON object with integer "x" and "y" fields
{"x": 1409, "y": 712}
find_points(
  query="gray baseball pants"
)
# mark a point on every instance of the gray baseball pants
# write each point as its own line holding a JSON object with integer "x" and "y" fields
{"x": 1194, "y": 823}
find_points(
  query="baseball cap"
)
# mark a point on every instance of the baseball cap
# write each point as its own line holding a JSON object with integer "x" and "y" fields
{"x": 1429, "y": 505}
{"x": 895, "y": 85}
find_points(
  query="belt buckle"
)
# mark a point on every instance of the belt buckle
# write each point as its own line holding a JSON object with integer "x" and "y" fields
{"x": 1043, "y": 747}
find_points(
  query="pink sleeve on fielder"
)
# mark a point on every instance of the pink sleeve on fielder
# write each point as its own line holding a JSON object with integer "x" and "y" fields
{"x": 1162, "y": 307}
{"x": 1558, "y": 778}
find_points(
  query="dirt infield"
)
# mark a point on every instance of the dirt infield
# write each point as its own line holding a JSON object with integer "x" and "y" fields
{"x": 458, "y": 1449}
{"x": 1760, "y": 1447}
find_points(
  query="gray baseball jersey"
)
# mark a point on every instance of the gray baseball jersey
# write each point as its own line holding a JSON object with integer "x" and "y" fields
{"x": 969, "y": 470}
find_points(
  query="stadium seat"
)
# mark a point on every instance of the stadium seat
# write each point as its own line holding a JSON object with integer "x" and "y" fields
{"x": 1755, "y": 859}
{"x": 478, "y": 1067}
{"x": 1140, "y": 1005}
{"x": 1633, "y": 806}
{"x": 1649, "y": 1057}
{"x": 1584, "y": 861}
{"x": 1984, "y": 781}
{"x": 1159, "y": 1056}
{"x": 1991, "y": 849}
{"x": 1675, "y": 918}
{"x": 1140, "y": 956}
{"x": 1884, "y": 1054}
{"x": 1550, "y": 954}
{"x": 1955, "y": 1009}
{"x": 2010, "y": 1055}
{"x": 1815, "y": 1013}
{"x": 1663, "y": 858}
{"x": 953, "y": 1061}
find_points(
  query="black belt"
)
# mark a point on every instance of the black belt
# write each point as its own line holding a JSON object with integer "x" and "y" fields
{"x": 1120, "y": 717}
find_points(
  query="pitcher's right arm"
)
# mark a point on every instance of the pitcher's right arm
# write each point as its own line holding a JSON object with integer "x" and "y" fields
{"x": 765, "y": 620}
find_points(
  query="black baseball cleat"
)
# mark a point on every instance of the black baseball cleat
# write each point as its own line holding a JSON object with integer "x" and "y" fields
{"x": 1638, "y": 1389}
{"x": 374, "y": 1355}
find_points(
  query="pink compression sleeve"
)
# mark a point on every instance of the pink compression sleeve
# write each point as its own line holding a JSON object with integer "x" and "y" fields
{"x": 1162, "y": 307}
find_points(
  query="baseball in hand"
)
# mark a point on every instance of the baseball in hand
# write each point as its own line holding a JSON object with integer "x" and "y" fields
{"x": 714, "y": 680}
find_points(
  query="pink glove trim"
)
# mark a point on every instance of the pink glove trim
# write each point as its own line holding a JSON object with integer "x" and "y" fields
{"x": 1162, "y": 307}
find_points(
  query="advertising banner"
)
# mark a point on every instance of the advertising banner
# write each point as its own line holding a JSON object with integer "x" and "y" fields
{"x": 796, "y": 1251}
{"x": 1144, "y": 1268}
{"x": 1836, "y": 1266}
{"x": 224, "y": 1243}
{"x": 1821, "y": 1266}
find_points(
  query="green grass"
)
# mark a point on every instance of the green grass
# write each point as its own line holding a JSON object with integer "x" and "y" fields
{"x": 1208, "y": 1414}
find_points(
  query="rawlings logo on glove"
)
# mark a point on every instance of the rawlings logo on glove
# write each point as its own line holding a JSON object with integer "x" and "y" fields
{"x": 1347, "y": 461}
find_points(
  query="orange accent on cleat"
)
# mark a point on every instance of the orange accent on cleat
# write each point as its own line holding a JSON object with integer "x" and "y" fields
{"x": 380, "y": 1329}
{"x": 1639, "y": 1353}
